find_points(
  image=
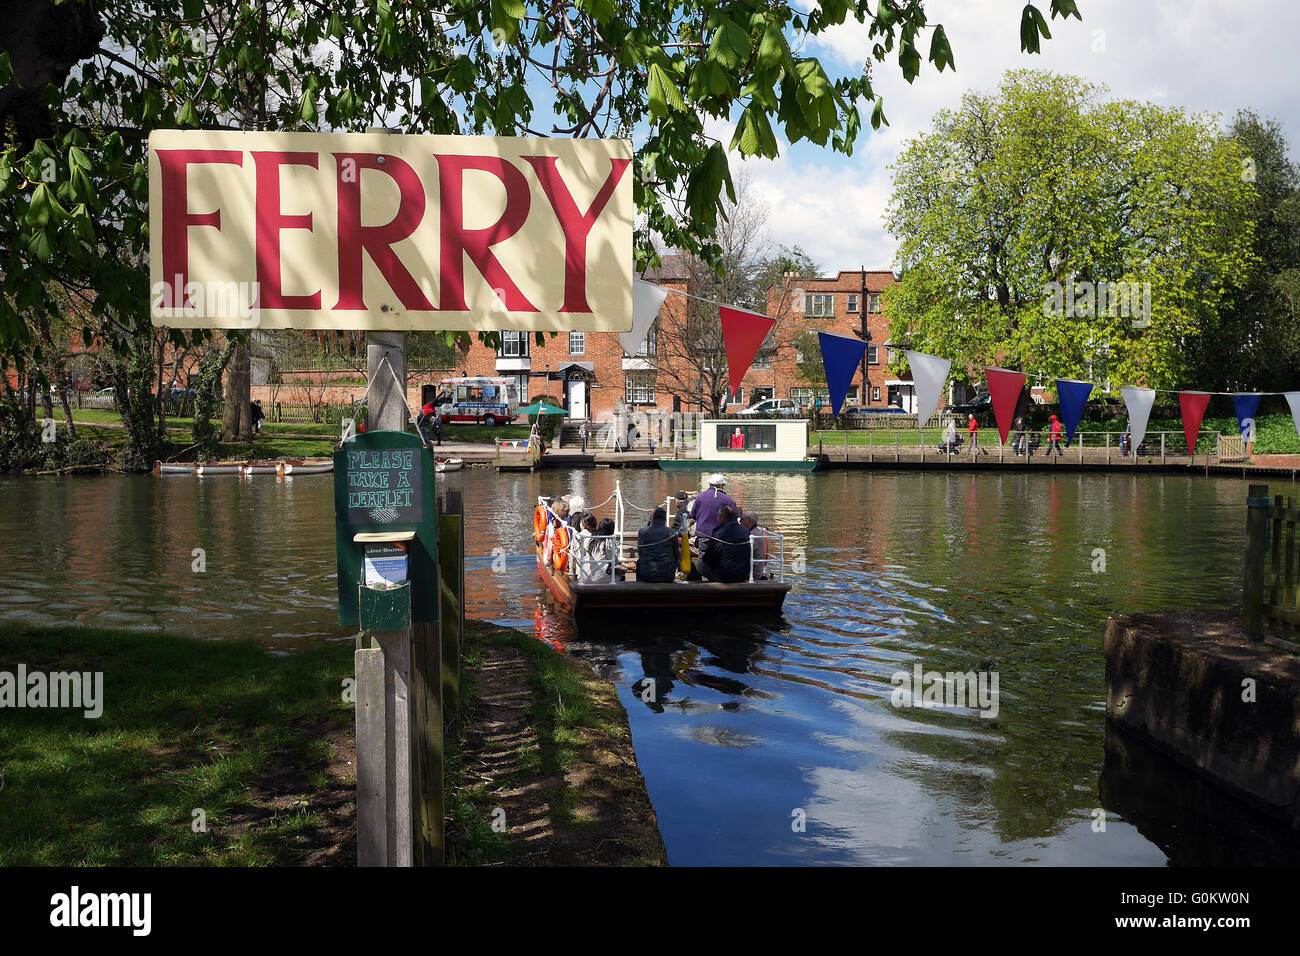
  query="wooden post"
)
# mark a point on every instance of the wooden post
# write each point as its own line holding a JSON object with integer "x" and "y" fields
{"x": 871, "y": 446}
{"x": 1107, "y": 448}
{"x": 1253, "y": 580}
{"x": 1081, "y": 448}
{"x": 386, "y": 403}
{"x": 846, "y": 446}
{"x": 1162, "y": 447}
{"x": 372, "y": 764}
{"x": 895, "y": 447}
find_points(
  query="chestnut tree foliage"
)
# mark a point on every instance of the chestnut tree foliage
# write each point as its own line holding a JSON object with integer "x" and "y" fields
{"x": 73, "y": 170}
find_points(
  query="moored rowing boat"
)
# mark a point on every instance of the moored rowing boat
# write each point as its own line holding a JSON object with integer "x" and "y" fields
{"x": 308, "y": 466}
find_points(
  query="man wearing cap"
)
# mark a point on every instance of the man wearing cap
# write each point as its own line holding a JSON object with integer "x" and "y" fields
{"x": 707, "y": 505}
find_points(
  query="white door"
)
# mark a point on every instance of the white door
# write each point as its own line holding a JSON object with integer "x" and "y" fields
{"x": 577, "y": 400}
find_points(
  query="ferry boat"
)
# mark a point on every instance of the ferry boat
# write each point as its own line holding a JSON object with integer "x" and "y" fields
{"x": 615, "y": 596}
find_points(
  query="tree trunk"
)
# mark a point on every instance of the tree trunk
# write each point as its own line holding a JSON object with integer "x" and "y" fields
{"x": 67, "y": 408}
{"x": 236, "y": 417}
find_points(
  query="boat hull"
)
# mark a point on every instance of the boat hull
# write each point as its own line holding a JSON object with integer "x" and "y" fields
{"x": 695, "y": 464}
{"x": 289, "y": 468}
{"x": 584, "y": 600}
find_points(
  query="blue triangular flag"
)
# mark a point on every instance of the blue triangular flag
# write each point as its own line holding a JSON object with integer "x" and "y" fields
{"x": 1246, "y": 405}
{"x": 840, "y": 358}
{"x": 1073, "y": 396}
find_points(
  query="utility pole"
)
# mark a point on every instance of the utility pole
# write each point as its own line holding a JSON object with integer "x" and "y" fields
{"x": 865, "y": 335}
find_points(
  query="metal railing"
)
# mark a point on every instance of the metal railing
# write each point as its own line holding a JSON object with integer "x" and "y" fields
{"x": 1086, "y": 446}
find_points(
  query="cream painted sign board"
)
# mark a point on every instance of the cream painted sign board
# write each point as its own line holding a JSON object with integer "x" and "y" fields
{"x": 376, "y": 231}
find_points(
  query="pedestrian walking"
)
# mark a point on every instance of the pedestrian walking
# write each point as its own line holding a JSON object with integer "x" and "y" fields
{"x": 1054, "y": 438}
{"x": 973, "y": 436}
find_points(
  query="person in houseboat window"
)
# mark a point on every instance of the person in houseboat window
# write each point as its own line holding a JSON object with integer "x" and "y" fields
{"x": 738, "y": 439}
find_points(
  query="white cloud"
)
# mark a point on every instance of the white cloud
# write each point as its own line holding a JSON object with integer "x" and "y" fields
{"x": 1205, "y": 55}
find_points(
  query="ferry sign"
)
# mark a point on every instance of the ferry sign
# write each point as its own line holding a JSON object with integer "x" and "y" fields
{"x": 378, "y": 231}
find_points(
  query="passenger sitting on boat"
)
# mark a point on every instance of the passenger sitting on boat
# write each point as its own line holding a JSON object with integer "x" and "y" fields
{"x": 758, "y": 534}
{"x": 657, "y": 551}
{"x": 681, "y": 520}
{"x": 708, "y": 504}
{"x": 587, "y": 567}
{"x": 726, "y": 553}
{"x": 577, "y": 511}
{"x": 603, "y": 551}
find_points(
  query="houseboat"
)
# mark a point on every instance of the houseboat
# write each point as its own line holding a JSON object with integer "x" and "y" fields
{"x": 747, "y": 444}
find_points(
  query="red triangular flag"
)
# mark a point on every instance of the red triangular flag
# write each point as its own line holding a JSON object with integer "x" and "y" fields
{"x": 1004, "y": 390}
{"x": 742, "y": 335}
{"x": 1192, "y": 405}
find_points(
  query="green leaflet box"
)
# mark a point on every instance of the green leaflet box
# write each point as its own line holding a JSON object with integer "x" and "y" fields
{"x": 388, "y": 610}
{"x": 385, "y": 491}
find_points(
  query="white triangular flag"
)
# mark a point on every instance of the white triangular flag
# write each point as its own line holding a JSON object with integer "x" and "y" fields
{"x": 1293, "y": 399}
{"x": 929, "y": 372}
{"x": 647, "y": 298}
{"x": 1139, "y": 402}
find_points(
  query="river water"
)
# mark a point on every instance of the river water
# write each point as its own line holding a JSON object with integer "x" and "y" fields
{"x": 762, "y": 742}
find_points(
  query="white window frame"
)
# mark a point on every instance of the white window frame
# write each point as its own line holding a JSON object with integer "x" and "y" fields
{"x": 853, "y": 303}
{"x": 873, "y": 302}
{"x": 639, "y": 387}
{"x": 873, "y": 355}
{"x": 819, "y": 304}
{"x": 517, "y": 339}
{"x": 875, "y": 393}
{"x": 581, "y": 342}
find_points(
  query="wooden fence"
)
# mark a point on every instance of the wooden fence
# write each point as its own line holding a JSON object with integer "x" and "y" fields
{"x": 1272, "y": 564}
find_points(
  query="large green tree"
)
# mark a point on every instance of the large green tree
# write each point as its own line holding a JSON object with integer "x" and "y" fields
{"x": 1014, "y": 212}
{"x": 1253, "y": 342}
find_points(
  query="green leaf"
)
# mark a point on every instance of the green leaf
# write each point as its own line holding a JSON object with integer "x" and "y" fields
{"x": 878, "y": 114}
{"x": 1028, "y": 30}
{"x": 731, "y": 45}
{"x": 754, "y": 136}
{"x": 188, "y": 116}
{"x": 307, "y": 109}
{"x": 773, "y": 50}
{"x": 663, "y": 92}
{"x": 910, "y": 60}
{"x": 940, "y": 50}
{"x": 1065, "y": 9}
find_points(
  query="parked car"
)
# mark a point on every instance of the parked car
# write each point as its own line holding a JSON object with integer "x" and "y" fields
{"x": 982, "y": 404}
{"x": 772, "y": 406}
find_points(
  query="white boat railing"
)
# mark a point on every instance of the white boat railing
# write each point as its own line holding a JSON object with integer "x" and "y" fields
{"x": 767, "y": 559}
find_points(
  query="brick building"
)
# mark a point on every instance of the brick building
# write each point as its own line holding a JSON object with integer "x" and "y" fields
{"x": 588, "y": 372}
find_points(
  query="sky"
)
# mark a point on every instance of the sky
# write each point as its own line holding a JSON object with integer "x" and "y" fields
{"x": 1211, "y": 56}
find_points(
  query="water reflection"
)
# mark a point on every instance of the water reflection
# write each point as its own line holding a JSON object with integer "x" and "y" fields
{"x": 746, "y": 728}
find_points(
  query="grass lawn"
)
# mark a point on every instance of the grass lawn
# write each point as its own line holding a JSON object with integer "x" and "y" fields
{"x": 260, "y": 744}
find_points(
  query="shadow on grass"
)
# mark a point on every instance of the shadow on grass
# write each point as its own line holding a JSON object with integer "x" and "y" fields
{"x": 206, "y": 753}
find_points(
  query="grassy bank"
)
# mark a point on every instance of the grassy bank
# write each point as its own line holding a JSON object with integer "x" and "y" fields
{"x": 545, "y": 750}
{"x": 262, "y": 745}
